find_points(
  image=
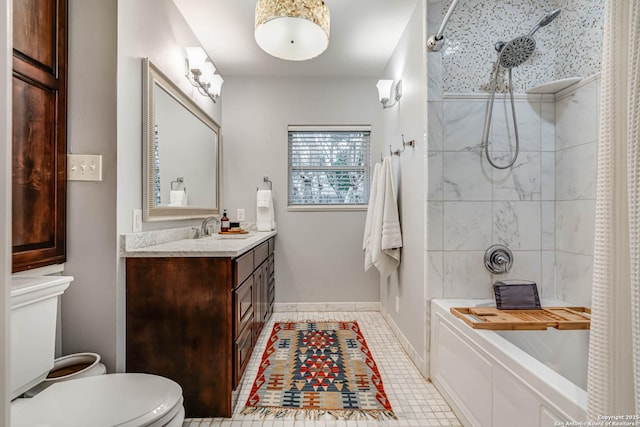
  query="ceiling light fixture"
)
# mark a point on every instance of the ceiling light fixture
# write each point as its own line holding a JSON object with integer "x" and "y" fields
{"x": 201, "y": 73}
{"x": 295, "y": 30}
{"x": 388, "y": 93}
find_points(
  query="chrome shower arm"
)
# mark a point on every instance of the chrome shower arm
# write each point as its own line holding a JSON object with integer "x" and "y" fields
{"x": 436, "y": 41}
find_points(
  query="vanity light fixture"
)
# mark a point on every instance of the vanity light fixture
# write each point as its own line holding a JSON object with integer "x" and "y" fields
{"x": 295, "y": 30}
{"x": 201, "y": 73}
{"x": 388, "y": 93}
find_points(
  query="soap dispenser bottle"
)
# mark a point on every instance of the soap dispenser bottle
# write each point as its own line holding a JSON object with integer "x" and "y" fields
{"x": 224, "y": 222}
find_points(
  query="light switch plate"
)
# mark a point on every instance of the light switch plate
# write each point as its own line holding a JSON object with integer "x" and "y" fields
{"x": 84, "y": 167}
{"x": 137, "y": 220}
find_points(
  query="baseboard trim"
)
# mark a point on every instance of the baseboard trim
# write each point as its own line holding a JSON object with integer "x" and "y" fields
{"x": 284, "y": 307}
{"x": 415, "y": 357}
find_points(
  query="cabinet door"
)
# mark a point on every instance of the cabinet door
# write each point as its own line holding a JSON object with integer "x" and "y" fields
{"x": 271, "y": 287}
{"x": 243, "y": 347}
{"x": 179, "y": 325}
{"x": 244, "y": 307}
{"x": 39, "y": 133}
{"x": 257, "y": 299}
{"x": 264, "y": 296}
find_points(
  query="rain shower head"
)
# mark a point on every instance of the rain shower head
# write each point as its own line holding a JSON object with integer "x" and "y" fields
{"x": 515, "y": 52}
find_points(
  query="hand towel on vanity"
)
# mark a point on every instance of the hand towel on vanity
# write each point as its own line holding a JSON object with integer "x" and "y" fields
{"x": 178, "y": 198}
{"x": 368, "y": 225}
{"x": 263, "y": 198}
{"x": 265, "y": 216}
{"x": 386, "y": 236}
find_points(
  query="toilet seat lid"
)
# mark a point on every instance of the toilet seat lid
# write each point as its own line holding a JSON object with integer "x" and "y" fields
{"x": 124, "y": 400}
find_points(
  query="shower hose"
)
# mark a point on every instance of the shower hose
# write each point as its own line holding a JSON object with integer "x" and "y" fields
{"x": 487, "y": 119}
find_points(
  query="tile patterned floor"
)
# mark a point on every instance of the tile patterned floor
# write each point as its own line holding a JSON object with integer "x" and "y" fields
{"x": 415, "y": 401}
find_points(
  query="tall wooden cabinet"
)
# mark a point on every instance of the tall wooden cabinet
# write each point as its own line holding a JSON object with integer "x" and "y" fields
{"x": 39, "y": 132}
{"x": 196, "y": 320}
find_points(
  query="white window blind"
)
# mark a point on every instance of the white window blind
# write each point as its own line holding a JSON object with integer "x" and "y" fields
{"x": 329, "y": 166}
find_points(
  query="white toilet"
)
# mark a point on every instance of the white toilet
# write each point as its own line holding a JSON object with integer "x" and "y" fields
{"x": 127, "y": 400}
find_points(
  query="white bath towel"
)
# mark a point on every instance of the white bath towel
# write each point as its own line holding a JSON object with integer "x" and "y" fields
{"x": 263, "y": 198}
{"x": 366, "y": 241}
{"x": 391, "y": 232}
{"x": 178, "y": 198}
{"x": 385, "y": 233}
{"x": 265, "y": 215}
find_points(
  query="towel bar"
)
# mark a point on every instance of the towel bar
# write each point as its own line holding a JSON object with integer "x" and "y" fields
{"x": 268, "y": 181}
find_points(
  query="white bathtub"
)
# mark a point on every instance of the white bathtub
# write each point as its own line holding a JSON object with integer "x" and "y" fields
{"x": 508, "y": 378}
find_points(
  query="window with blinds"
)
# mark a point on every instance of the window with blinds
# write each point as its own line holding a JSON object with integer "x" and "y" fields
{"x": 329, "y": 166}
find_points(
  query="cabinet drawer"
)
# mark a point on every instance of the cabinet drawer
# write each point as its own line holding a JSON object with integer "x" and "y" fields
{"x": 243, "y": 267}
{"x": 243, "y": 306}
{"x": 260, "y": 254}
{"x": 272, "y": 245}
{"x": 242, "y": 347}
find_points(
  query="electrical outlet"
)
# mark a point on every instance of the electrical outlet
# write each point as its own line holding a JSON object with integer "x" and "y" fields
{"x": 84, "y": 167}
{"x": 397, "y": 305}
{"x": 137, "y": 220}
{"x": 240, "y": 214}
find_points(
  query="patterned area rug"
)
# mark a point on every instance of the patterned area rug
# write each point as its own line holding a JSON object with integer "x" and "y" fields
{"x": 318, "y": 368}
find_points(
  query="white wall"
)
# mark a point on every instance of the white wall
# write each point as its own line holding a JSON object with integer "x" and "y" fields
{"x": 319, "y": 254}
{"x": 5, "y": 205}
{"x": 88, "y": 306}
{"x": 408, "y": 117}
{"x": 106, "y": 41}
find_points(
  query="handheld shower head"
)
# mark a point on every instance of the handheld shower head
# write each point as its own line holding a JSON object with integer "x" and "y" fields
{"x": 511, "y": 54}
{"x": 519, "y": 50}
{"x": 544, "y": 22}
{"x": 516, "y": 52}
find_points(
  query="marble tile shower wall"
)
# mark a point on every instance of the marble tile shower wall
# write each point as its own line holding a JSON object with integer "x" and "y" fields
{"x": 472, "y": 206}
{"x": 537, "y": 208}
{"x": 577, "y": 114}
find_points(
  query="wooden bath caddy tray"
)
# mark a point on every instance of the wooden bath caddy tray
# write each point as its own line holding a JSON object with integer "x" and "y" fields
{"x": 555, "y": 317}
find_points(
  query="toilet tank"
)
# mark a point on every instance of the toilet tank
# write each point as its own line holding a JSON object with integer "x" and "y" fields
{"x": 34, "y": 309}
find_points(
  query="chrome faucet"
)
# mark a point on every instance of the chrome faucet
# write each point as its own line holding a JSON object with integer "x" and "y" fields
{"x": 204, "y": 228}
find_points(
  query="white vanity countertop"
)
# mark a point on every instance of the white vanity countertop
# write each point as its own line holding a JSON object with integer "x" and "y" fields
{"x": 132, "y": 245}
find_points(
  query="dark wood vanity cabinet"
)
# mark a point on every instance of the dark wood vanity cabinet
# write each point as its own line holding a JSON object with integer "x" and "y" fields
{"x": 196, "y": 321}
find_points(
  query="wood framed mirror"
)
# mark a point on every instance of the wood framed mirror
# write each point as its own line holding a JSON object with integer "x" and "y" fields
{"x": 181, "y": 152}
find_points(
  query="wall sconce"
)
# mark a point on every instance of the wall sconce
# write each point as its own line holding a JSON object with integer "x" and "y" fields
{"x": 388, "y": 93}
{"x": 201, "y": 73}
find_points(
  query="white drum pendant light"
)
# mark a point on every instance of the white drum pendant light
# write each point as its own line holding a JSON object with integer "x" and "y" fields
{"x": 295, "y": 30}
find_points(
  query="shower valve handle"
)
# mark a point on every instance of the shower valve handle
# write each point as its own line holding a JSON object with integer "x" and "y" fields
{"x": 498, "y": 259}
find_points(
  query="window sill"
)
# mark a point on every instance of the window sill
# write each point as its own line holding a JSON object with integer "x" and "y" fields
{"x": 326, "y": 208}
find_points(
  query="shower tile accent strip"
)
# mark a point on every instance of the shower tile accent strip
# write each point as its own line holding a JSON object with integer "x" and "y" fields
{"x": 415, "y": 400}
